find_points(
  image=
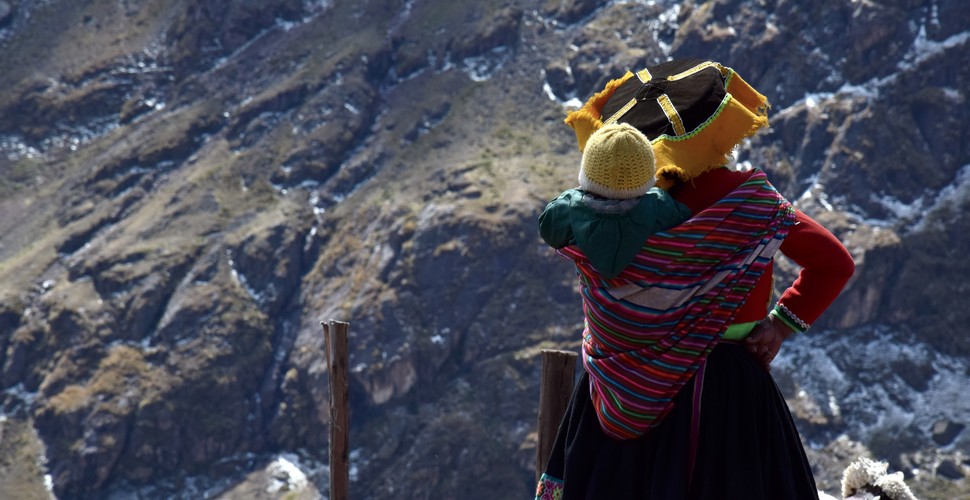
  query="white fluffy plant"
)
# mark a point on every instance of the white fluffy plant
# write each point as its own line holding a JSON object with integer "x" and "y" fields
{"x": 869, "y": 479}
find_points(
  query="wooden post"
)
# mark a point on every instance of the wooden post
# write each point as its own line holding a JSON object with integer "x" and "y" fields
{"x": 555, "y": 389}
{"x": 335, "y": 339}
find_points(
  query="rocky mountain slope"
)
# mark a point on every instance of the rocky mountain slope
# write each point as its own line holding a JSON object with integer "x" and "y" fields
{"x": 188, "y": 187}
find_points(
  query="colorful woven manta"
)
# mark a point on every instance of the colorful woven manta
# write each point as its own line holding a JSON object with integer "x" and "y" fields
{"x": 650, "y": 328}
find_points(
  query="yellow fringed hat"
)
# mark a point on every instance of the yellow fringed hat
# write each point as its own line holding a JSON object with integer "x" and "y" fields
{"x": 694, "y": 113}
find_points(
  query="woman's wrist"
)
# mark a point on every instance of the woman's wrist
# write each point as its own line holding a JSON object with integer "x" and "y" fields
{"x": 786, "y": 316}
{"x": 782, "y": 327}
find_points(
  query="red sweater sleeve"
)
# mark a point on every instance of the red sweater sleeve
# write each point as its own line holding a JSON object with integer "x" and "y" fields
{"x": 826, "y": 268}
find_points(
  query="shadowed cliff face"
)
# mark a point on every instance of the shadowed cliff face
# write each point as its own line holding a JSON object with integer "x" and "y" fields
{"x": 188, "y": 188}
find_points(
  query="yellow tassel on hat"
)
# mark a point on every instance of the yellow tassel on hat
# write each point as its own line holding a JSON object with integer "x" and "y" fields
{"x": 588, "y": 119}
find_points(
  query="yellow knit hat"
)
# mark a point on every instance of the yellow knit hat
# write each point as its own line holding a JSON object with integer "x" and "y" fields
{"x": 617, "y": 163}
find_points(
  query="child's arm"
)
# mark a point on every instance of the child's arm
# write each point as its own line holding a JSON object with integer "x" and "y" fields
{"x": 555, "y": 225}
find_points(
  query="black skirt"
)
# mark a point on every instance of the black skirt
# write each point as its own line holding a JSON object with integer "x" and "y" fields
{"x": 729, "y": 436}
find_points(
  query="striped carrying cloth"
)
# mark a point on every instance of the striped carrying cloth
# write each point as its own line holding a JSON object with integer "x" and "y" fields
{"x": 650, "y": 328}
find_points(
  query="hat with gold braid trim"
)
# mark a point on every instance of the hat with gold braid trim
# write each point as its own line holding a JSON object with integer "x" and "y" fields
{"x": 694, "y": 113}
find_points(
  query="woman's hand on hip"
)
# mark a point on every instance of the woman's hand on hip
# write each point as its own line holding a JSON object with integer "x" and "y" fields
{"x": 765, "y": 339}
